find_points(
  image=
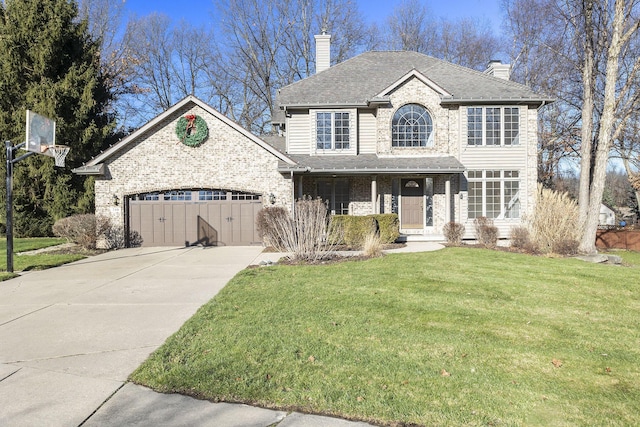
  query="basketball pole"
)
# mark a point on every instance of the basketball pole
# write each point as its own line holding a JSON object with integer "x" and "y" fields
{"x": 11, "y": 150}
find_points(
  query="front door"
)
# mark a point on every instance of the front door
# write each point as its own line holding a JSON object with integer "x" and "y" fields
{"x": 412, "y": 203}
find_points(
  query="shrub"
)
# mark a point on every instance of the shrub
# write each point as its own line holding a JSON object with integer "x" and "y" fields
{"x": 355, "y": 229}
{"x": 372, "y": 245}
{"x": 453, "y": 232}
{"x": 554, "y": 220}
{"x": 265, "y": 219}
{"x": 82, "y": 229}
{"x": 486, "y": 232}
{"x": 114, "y": 238}
{"x": 388, "y": 226}
{"x": 566, "y": 247}
{"x": 305, "y": 234}
{"x": 520, "y": 237}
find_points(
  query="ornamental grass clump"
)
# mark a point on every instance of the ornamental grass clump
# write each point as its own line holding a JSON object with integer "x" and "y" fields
{"x": 303, "y": 235}
{"x": 554, "y": 224}
{"x": 372, "y": 245}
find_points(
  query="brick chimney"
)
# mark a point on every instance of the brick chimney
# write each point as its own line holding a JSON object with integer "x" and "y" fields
{"x": 497, "y": 69}
{"x": 323, "y": 51}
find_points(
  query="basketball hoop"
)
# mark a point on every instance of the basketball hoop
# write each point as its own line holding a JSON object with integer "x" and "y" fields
{"x": 58, "y": 152}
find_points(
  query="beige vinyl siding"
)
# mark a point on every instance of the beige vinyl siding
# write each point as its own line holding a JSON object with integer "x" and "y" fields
{"x": 353, "y": 139}
{"x": 298, "y": 133}
{"x": 367, "y": 129}
{"x": 504, "y": 158}
{"x": 511, "y": 157}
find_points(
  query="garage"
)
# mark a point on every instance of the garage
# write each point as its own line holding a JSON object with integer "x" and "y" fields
{"x": 195, "y": 217}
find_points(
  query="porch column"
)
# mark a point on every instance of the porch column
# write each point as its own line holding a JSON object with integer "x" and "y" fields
{"x": 374, "y": 194}
{"x": 447, "y": 199}
{"x": 300, "y": 190}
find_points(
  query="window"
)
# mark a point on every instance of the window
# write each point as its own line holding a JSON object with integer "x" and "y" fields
{"x": 177, "y": 195}
{"x": 332, "y": 131}
{"x": 494, "y": 194}
{"x": 150, "y": 196}
{"x": 493, "y": 126}
{"x": 412, "y": 127}
{"x": 335, "y": 194}
{"x": 212, "y": 195}
{"x": 244, "y": 196}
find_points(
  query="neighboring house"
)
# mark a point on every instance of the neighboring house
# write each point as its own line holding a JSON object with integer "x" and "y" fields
{"x": 383, "y": 132}
{"x": 607, "y": 215}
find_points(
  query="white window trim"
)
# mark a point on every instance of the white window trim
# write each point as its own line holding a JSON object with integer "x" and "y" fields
{"x": 352, "y": 132}
{"x": 502, "y": 180}
{"x": 502, "y": 108}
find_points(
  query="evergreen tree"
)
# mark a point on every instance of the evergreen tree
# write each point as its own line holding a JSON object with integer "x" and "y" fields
{"x": 50, "y": 65}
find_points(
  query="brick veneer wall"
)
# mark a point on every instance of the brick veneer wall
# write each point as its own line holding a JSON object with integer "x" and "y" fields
{"x": 157, "y": 160}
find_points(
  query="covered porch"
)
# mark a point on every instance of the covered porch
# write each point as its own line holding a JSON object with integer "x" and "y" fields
{"x": 423, "y": 191}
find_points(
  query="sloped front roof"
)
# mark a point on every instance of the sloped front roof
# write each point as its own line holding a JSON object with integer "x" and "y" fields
{"x": 95, "y": 166}
{"x": 361, "y": 79}
{"x": 371, "y": 164}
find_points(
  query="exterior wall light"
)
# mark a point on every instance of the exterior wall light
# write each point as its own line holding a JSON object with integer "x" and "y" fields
{"x": 116, "y": 200}
{"x": 272, "y": 198}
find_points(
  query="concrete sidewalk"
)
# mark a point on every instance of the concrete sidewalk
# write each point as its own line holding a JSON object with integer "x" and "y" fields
{"x": 70, "y": 336}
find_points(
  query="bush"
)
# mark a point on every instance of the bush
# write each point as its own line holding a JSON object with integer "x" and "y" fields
{"x": 566, "y": 247}
{"x": 83, "y": 229}
{"x": 554, "y": 221}
{"x": 486, "y": 232}
{"x": 355, "y": 229}
{"x": 305, "y": 234}
{"x": 453, "y": 232}
{"x": 388, "y": 226}
{"x": 520, "y": 237}
{"x": 114, "y": 238}
{"x": 265, "y": 219}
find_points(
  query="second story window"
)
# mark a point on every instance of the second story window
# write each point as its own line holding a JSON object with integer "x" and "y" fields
{"x": 332, "y": 131}
{"x": 493, "y": 126}
{"x": 412, "y": 127}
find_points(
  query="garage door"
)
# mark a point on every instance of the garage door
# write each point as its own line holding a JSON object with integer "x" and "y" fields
{"x": 190, "y": 217}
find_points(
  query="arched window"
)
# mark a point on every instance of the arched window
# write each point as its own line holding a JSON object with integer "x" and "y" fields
{"x": 412, "y": 127}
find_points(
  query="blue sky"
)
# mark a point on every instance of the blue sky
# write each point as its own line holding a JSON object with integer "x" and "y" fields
{"x": 201, "y": 11}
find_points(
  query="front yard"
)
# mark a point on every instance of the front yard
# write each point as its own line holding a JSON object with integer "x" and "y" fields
{"x": 455, "y": 337}
{"x": 34, "y": 262}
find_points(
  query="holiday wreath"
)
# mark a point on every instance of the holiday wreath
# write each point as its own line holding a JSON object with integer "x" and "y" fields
{"x": 192, "y": 130}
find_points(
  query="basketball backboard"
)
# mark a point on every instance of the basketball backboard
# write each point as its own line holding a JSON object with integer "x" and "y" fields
{"x": 41, "y": 138}
{"x": 41, "y": 132}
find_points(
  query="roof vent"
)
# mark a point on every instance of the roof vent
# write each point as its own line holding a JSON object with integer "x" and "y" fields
{"x": 497, "y": 69}
{"x": 323, "y": 51}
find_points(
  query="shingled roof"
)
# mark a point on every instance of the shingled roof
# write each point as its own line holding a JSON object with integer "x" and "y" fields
{"x": 362, "y": 79}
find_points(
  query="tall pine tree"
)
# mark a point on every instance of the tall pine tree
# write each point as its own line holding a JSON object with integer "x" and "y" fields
{"x": 50, "y": 65}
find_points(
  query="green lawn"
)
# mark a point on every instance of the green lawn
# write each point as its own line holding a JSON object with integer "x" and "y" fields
{"x": 33, "y": 262}
{"x": 455, "y": 337}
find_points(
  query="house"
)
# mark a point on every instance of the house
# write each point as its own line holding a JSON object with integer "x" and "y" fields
{"x": 607, "y": 215}
{"x": 383, "y": 132}
{"x": 406, "y": 133}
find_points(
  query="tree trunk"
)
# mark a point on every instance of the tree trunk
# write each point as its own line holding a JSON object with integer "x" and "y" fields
{"x": 606, "y": 126}
{"x": 588, "y": 83}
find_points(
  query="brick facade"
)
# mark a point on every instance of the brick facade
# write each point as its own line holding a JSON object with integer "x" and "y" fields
{"x": 157, "y": 160}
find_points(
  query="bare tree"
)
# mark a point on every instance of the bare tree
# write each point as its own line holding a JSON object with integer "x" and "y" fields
{"x": 411, "y": 27}
{"x": 591, "y": 51}
{"x": 467, "y": 42}
{"x": 607, "y": 31}
{"x": 268, "y": 44}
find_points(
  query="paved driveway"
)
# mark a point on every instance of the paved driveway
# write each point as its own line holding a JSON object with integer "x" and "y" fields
{"x": 70, "y": 336}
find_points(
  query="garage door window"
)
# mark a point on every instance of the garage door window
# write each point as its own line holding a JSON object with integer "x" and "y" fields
{"x": 151, "y": 196}
{"x": 244, "y": 196}
{"x": 212, "y": 195}
{"x": 177, "y": 195}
